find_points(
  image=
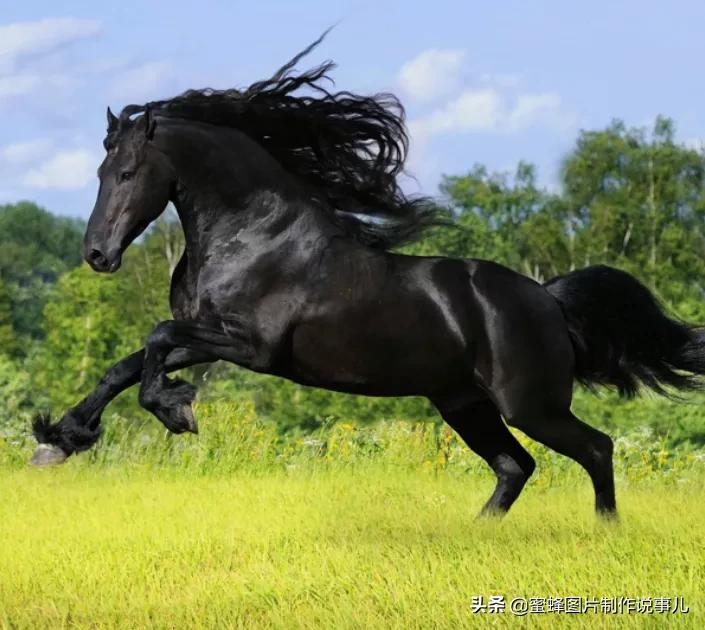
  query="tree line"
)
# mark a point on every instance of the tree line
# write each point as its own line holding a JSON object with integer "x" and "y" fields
{"x": 633, "y": 198}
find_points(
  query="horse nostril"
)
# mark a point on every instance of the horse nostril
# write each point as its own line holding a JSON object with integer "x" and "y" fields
{"x": 96, "y": 259}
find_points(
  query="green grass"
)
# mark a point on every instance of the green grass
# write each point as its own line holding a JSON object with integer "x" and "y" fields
{"x": 94, "y": 547}
{"x": 356, "y": 528}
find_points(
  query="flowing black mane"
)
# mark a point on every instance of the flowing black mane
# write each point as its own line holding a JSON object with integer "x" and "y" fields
{"x": 348, "y": 148}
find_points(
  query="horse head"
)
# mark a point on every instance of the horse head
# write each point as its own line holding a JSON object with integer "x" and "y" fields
{"x": 136, "y": 181}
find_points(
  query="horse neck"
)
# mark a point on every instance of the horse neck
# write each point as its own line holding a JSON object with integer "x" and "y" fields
{"x": 220, "y": 170}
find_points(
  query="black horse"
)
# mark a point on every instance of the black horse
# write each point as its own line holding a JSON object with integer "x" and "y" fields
{"x": 289, "y": 204}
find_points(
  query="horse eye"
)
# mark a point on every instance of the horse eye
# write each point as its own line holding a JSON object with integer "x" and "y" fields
{"x": 126, "y": 175}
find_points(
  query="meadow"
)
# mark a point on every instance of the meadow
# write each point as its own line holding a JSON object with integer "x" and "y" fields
{"x": 355, "y": 527}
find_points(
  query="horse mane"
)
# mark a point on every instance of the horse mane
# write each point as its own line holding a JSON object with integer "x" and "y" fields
{"x": 349, "y": 149}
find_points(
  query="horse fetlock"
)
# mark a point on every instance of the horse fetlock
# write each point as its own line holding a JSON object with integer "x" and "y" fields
{"x": 75, "y": 432}
{"x": 509, "y": 470}
{"x": 166, "y": 393}
{"x": 172, "y": 405}
{"x": 181, "y": 391}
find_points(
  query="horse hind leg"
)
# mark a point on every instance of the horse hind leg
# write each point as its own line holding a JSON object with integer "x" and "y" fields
{"x": 481, "y": 427}
{"x": 566, "y": 434}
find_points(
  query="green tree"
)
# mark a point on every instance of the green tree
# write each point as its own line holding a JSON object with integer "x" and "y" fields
{"x": 93, "y": 320}
{"x": 630, "y": 198}
{"x": 9, "y": 344}
{"x": 637, "y": 201}
{"x": 36, "y": 247}
{"x": 506, "y": 219}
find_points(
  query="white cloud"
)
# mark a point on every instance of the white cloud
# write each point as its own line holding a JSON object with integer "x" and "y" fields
{"x": 488, "y": 110}
{"x": 23, "y": 40}
{"x": 141, "y": 83}
{"x": 25, "y": 47}
{"x": 23, "y": 152}
{"x": 497, "y": 103}
{"x": 66, "y": 170}
{"x": 532, "y": 108}
{"x": 432, "y": 75}
{"x": 473, "y": 110}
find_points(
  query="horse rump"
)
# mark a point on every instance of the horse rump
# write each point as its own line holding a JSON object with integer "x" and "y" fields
{"x": 621, "y": 335}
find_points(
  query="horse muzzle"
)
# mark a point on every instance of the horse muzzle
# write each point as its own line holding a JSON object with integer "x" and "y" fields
{"x": 103, "y": 263}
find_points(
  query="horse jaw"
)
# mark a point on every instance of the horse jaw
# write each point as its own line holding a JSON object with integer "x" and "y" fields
{"x": 48, "y": 455}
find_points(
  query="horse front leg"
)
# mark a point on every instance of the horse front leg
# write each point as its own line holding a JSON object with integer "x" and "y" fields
{"x": 79, "y": 428}
{"x": 170, "y": 400}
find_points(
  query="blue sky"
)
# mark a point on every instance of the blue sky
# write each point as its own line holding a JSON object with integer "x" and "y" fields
{"x": 488, "y": 82}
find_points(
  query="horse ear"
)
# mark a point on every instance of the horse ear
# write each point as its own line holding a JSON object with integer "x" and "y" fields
{"x": 148, "y": 124}
{"x": 151, "y": 128}
{"x": 112, "y": 121}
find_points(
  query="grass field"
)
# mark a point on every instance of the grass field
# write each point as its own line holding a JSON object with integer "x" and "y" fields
{"x": 336, "y": 540}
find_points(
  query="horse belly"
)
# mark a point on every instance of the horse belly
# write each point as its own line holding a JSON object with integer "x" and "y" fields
{"x": 369, "y": 357}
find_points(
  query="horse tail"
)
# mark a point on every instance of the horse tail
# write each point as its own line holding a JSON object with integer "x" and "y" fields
{"x": 621, "y": 335}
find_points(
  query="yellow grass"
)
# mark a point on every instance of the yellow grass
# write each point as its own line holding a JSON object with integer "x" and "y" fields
{"x": 367, "y": 546}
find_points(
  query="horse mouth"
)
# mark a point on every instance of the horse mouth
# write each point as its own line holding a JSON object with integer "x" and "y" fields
{"x": 110, "y": 266}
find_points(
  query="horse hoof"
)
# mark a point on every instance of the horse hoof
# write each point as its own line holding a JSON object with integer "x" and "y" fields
{"x": 48, "y": 455}
{"x": 190, "y": 419}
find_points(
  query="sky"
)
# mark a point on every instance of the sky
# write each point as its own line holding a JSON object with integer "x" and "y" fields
{"x": 482, "y": 82}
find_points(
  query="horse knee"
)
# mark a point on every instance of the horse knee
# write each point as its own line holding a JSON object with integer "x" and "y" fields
{"x": 160, "y": 335}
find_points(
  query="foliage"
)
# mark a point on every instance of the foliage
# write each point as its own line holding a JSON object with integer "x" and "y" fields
{"x": 36, "y": 247}
{"x": 18, "y": 399}
{"x": 93, "y": 320}
{"x": 511, "y": 219}
{"x": 9, "y": 342}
